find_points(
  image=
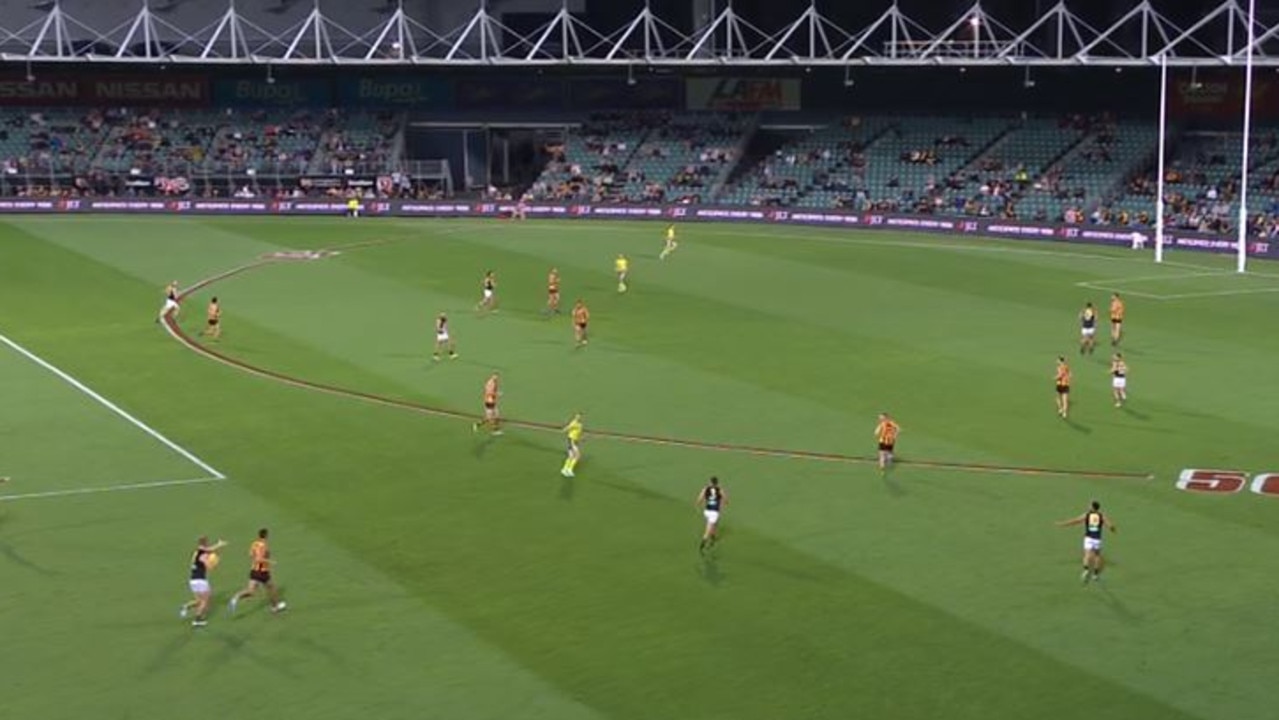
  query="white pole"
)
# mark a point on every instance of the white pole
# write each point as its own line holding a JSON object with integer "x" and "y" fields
{"x": 1159, "y": 178}
{"x": 1242, "y": 263}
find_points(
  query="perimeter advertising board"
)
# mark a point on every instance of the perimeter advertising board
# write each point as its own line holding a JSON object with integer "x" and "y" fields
{"x": 742, "y": 94}
{"x": 1096, "y": 235}
{"x": 161, "y": 89}
{"x": 259, "y": 92}
{"x": 396, "y": 91}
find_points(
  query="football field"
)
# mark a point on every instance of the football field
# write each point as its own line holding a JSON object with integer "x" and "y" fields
{"x": 435, "y": 572}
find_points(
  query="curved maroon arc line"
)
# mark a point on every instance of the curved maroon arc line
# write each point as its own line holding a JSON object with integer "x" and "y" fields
{"x": 190, "y": 343}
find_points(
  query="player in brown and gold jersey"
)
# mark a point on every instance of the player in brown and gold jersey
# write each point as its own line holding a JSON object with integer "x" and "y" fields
{"x": 260, "y": 564}
{"x": 1116, "y": 319}
{"x": 581, "y": 318}
{"x": 213, "y": 326}
{"x": 492, "y": 417}
{"x": 1062, "y": 380}
{"x": 886, "y": 431}
{"x": 553, "y": 292}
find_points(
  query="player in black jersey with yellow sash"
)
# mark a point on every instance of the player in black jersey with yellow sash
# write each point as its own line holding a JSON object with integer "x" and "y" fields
{"x": 1087, "y": 329}
{"x": 203, "y": 560}
{"x": 711, "y": 500}
{"x": 1119, "y": 379}
{"x": 1094, "y": 523}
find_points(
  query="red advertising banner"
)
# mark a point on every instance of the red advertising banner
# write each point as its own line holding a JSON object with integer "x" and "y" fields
{"x": 742, "y": 94}
{"x": 166, "y": 90}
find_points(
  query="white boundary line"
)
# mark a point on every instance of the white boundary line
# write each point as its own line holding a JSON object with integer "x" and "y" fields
{"x": 1157, "y": 278}
{"x": 1220, "y": 293}
{"x": 109, "y": 488}
{"x": 1120, "y": 285}
{"x": 213, "y": 473}
{"x": 1130, "y": 293}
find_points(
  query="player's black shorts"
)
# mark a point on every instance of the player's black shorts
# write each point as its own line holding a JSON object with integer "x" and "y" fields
{"x": 1063, "y": 389}
{"x": 885, "y": 447}
{"x": 260, "y": 576}
{"x": 581, "y": 326}
{"x": 490, "y": 406}
{"x": 212, "y": 322}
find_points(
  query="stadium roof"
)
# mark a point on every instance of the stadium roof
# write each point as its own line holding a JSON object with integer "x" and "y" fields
{"x": 375, "y": 32}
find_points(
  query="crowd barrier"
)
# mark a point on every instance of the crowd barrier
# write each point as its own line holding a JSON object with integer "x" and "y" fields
{"x": 1088, "y": 234}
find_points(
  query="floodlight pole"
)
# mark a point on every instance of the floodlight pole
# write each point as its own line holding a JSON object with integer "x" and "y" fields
{"x": 1159, "y": 165}
{"x": 1242, "y": 262}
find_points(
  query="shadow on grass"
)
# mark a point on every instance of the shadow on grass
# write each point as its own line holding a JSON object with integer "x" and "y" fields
{"x": 17, "y": 558}
{"x": 1135, "y": 414}
{"x": 1079, "y": 428}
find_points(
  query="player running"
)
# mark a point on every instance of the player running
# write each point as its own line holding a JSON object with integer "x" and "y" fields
{"x": 621, "y": 266}
{"x": 711, "y": 500}
{"x": 581, "y": 318}
{"x": 488, "y": 296}
{"x": 443, "y": 341}
{"x": 172, "y": 299}
{"x": 1063, "y": 387}
{"x": 671, "y": 245}
{"x": 573, "y": 431}
{"x": 886, "y": 436}
{"x": 492, "y": 417}
{"x": 1094, "y": 523}
{"x": 1116, "y": 319}
{"x": 260, "y": 564}
{"x": 1119, "y": 379}
{"x": 1087, "y": 329}
{"x": 203, "y": 560}
{"x": 213, "y": 326}
{"x": 553, "y": 292}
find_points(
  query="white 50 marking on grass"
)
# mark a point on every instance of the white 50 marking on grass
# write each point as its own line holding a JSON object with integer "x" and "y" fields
{"x": 213, "y": 473}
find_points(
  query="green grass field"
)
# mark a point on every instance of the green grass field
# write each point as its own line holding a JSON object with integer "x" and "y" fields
{"x": 436, "y": 573}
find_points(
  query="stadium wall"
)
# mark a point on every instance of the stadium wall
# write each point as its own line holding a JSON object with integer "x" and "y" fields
{"x": 969, "y": 227}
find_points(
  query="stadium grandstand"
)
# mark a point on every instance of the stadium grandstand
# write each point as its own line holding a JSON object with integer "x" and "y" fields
{"x": 823, "y": 110}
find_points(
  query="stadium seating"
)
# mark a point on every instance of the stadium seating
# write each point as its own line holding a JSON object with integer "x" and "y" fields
{"x": 645, "y": 157}
{"x": 587, "y": 166}
{"x": 819, "y": 166}
{"x": 43, "y": 142}
{"x": 365, "y": 142}
{"x": 685, "y": 158}
{"x": 280, "y": 142}
{"x": 155, "y": 142}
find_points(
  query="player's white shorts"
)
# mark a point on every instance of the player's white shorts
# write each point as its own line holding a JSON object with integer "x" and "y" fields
{"x": 441, "y": 337}
{"x": 488, "y": 294}
{"x": 169, "y": 304}
{"x": 1092, "y": 544}
{"x": 199, "y": 587}
{"x": 1088, "y": 332}
{"x": 1119, "y": 383}
{"x": 712, "y": 516}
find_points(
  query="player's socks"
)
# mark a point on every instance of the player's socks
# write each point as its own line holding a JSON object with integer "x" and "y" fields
{"x": 235, "y": 600}
{"x": 182, "y": 612}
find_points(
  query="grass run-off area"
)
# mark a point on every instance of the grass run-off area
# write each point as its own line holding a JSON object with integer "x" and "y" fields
{"x": 435, "y": 572}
